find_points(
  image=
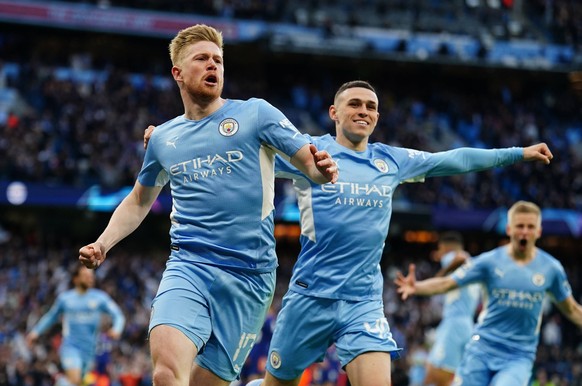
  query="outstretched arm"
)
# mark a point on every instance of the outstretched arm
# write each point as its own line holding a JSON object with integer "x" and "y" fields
{"x": 408, "y": 286}
{"x": 466, "y": 159}
{"x": 315, "y": 164}
{"x": 571, "y": 309}
{"x": 125, "y": 219}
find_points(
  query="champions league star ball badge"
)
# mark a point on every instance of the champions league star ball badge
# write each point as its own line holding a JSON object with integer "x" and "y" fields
{"x": 228, "y": 127}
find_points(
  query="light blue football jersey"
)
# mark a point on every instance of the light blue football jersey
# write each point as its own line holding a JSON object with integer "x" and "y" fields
{"x": 81, "y": 317}
{"x": 344, "y": 225}
{"x": 221, "y": 174}
{"x": 462, "y": 301}
{"x": 514, "y": 296}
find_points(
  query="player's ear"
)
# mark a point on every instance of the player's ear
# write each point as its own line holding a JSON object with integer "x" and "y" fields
{"x": 177, "y": 74}
{"x": 333, "y": 113}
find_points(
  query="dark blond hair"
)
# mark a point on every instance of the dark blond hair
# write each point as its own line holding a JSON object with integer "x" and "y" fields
{"x": 194, "y": 34}
{"x": 524, "y": 207}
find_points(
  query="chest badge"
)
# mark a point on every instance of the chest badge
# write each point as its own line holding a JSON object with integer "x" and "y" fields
{"x": 381, "y": 165}
{"x": 538, "y": 279}
{"x": 228, "y": 127}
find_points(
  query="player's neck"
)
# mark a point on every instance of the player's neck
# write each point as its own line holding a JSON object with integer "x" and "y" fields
{"x": 355, "y": 146}
{"x": 522, "y": 257}
{"x": 196, "y": 110}
{"x": 81, "y": 290}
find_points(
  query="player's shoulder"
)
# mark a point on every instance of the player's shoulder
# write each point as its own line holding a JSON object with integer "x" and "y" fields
{"x": 547, "y": 259}
{"x": 67, "y": 294}
{"x": 254, "y": 101}
{"x": 491, "y": 257}
{"x": 98, "y": 293}
{"x": 321, "y": 142}
{"x": 492, "y": 254}
{"x": 170, "y": 123}
{"x": 392, "y": 151}
{"x": 166, "y": 128}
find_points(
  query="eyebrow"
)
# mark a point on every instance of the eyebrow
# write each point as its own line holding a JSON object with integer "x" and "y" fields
{"x": 366, "y": 102}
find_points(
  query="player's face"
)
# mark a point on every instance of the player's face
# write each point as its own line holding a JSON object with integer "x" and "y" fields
{"x": 355, "y": 113}
{"x": 523, "y": 230}
{"x": 200, "y": 71}
{"x": 85, "y": 279}
{"x": 442, "y": 249}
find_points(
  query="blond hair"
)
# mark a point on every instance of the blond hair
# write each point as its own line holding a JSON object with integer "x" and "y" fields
{"x": 194, "y": 34}
{"x": 524, "y": 207}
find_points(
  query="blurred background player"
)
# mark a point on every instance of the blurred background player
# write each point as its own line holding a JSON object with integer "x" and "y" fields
{"x": 516, "y": 279}
{"x": 81, "y": 309}
{"x": 460, "y": 305}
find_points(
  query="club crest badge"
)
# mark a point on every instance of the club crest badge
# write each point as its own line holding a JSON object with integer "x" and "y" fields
{"x": 275, "y": 359}
{"x": 381, "y": 165}
{"x": 228, "y": 127}
{"x": 538, "y": 279}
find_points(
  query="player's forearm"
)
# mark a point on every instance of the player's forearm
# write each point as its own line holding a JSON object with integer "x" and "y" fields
{"x": 572, "y": 310}
{"x": 303, "y": 161}
{"x": 315, "y": 175}
{"x": 46, "y": 321}
{"x": 466, "y": 160}
{"x": 434, "y": 286}
{"x": 125, "y": 219}
{"x": 576, "y": 316}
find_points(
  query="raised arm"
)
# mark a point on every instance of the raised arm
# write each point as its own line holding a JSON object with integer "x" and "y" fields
{"x": 408, "y": 286}
{"x": 317, "y": 165}
{"x": 125, "y": 219}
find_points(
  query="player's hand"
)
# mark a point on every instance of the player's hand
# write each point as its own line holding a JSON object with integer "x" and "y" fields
{"x": 147, "y": 134}
{"x": 406, "y": 285}
{"x": 540, "y": 152}
{"x": 325, "y": 164}
{"x": 113, "y": 334}
{"x": 92, "y": 255}
{"x": 30, "y": 338}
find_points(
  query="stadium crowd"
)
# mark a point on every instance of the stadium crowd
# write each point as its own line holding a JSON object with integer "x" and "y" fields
{"x": 502, "y": 19}
{"x": 84, "y": 126}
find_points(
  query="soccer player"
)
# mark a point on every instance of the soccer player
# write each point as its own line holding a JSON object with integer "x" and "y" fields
{"x": 456, "y": 326}
{"x": 81, "y": 309}
{"x": 335, "y": 293}
{"x": 516, "y": 278}
{"x": 219, "y": 160}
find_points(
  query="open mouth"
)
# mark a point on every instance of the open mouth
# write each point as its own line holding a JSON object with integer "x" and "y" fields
{"x": 211, "y": 79}
{"x": 523, "y": 242}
